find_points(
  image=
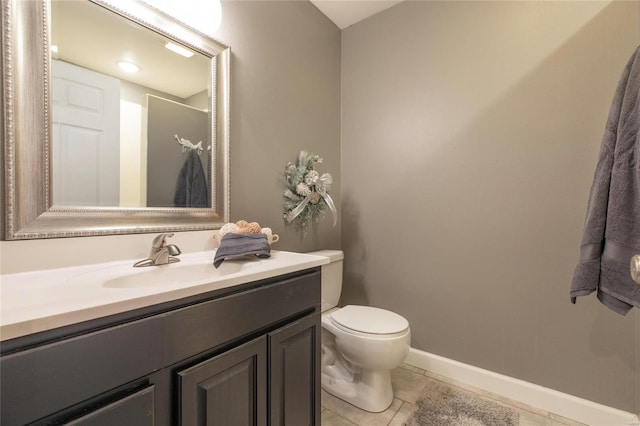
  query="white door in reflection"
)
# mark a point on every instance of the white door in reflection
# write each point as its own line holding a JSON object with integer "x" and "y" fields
{"x": 86, "y": 123}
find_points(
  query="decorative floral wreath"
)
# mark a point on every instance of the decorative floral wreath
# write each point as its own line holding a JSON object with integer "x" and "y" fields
{"x": 306, "y": 194}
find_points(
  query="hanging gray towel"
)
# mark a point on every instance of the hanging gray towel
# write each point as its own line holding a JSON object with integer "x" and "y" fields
{"x": 612, "y": 226}
{"x": 191, "y": 186}
{"x": 239, "y": 245}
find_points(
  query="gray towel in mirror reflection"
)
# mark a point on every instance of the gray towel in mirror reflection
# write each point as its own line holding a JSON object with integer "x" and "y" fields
{"x": 191, "y": 186}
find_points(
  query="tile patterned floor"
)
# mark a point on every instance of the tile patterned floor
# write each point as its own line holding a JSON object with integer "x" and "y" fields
{"x": 408, "y": 382}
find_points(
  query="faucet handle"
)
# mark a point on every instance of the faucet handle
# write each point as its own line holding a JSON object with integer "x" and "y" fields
{"x": 160, "y": 240}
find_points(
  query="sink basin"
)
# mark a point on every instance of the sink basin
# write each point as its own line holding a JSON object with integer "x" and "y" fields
{"x": 187, "y": 272}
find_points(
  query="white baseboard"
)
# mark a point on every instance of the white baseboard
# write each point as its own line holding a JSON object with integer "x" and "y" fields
{"x": 565, "y": 405}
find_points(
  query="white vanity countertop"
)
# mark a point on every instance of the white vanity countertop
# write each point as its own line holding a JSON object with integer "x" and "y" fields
{"x": 31, "y": 302}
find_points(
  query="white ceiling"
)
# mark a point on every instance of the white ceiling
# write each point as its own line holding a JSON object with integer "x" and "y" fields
{"x": 80, "y": 29}
{"x": 347, "y": 12}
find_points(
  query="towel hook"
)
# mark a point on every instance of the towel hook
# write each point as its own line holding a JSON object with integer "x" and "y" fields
{"x": 186, "y": 144}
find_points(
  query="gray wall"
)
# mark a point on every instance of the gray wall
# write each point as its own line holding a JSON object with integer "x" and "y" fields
{"x": 285, "y": 97}
{"x": 470, "y": 133}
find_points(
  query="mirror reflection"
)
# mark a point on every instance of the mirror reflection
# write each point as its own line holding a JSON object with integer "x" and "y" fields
{"x": 131, "y": 120}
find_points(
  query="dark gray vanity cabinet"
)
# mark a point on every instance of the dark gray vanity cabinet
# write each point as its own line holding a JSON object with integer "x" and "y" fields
{"x": 271, "y": 380}
{"x": 246, "y": 355}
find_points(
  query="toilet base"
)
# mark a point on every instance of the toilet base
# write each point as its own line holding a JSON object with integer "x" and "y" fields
{"x": 366, "y": 389}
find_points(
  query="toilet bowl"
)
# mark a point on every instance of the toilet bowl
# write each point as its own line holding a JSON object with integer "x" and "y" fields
{"x": 360, "y": 344}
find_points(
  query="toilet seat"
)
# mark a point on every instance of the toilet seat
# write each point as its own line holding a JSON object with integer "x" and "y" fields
{"x": 369, "y": 320}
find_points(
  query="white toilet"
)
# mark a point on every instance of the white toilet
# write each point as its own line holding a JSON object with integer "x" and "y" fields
{"x": 360, "y": 344}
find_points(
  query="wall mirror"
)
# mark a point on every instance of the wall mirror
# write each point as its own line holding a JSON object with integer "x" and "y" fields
{"x": 92, "y": 148}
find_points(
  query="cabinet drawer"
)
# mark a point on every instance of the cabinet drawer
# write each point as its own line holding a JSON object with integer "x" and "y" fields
{"x": 40, "y": 381}
{"x": 198, "y": 328}
{"x": 135, "y": 409}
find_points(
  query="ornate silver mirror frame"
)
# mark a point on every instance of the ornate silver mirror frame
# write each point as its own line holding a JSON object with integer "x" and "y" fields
{"x": 28, "y": 207}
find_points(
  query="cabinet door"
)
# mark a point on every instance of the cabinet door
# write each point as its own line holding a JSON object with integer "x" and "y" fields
{"x": 135, "y": 409}
{"x": 294, "y": 378}
{"x": 226, "y": 390}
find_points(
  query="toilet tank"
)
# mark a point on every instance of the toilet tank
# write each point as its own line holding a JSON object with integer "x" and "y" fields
{"x": 331, "y": 286}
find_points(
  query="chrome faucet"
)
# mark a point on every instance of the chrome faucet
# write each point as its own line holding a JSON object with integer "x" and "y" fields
{"x": 161, "y": 252}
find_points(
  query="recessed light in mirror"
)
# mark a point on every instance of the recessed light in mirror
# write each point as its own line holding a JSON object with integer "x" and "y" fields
{"x": 128, "y": 67}
{"x": 179, "y": 49}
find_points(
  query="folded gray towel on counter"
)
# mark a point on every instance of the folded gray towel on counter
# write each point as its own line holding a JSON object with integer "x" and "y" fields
{"x": 612, "y": 227}
{"x": 239, "y": 245}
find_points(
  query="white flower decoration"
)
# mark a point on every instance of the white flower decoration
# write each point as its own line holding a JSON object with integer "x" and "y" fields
{"x": 311, "y": 178}
{"x": 302, "y": 189}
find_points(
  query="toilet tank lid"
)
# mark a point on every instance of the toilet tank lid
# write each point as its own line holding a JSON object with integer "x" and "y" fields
{"x": 367, "y": 319}
{"x": 333, "y": 255}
